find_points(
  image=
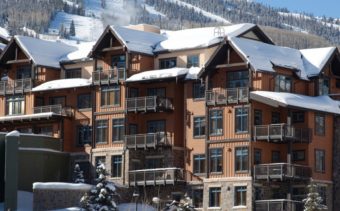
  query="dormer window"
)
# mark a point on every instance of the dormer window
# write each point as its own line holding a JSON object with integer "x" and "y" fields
{"x": 73, "y": 73}
{"x": 283, "y": 83}
{"x": 193, "y": 61}
{"x": 323, "y": 86}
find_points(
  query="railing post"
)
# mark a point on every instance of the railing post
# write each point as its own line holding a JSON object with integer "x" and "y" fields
{"x": 268, "y": 132}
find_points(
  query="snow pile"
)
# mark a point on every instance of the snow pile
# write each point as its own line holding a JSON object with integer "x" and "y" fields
{"x": 158, "y": 74}
{"x": 61, "y": 186}
{"x": 192, "y": 73}
{"x": 83, "y": 51}
{"x": 63, "y": 84}
{"x": 125, "y": 207}
{"x": 25, "y": 201}
{"x": 4, "y": 33}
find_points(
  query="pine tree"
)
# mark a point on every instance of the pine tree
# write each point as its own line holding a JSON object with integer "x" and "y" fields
{"x": 78, "y": 175}
{"x": 313, "y": 200}
{"x": 72, "y": 29}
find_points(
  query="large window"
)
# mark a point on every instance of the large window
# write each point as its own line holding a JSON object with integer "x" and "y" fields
{"x": 156, "y": 126}
{"x": 241, "y": 118}
{"x": 199, "y": 164}
{"x": 240, "y": 196}
{"x": 160, "y": 92}
{"x": 24, "y": 72}
{"x": 283, "y": 83}
{"x": 73, "y": 73}
{"x": 101, "y": 131}
{"x": 320, "y": 161}
{"x": 154, "y": 162}
{"x": 298, "y": 117}
{"x": 193, "y": 61}
{"x": 167, "y": 63}
{"x": 199, "y": 126}
{"x": 276, "y": 118}
{"x": 237, "y": 79}
{"x": 84, "y": 134}
{"x": 197, "y": 198}
{"x": 214, "y": 197}
{"x": 241, "y": 159}
{"x": 198, "y": 90}
{"x": 110, "y": 96}
{"x": 323, "y": 86}
{"x": 15, "y": 105}
{"x": 116, "y": 166}
{"x": 45, "y": 130}
{"x": 84, "y": 101}
{"x": 298, "y": 155}
{"x": 216, "y": 122}
{"x": 216, "y": 160}
{"x": 118, "y": 129}
{"x": 59, "y": 100}
{"x": 319, "y": 124}
{"x": 276, "y": 157}
{"x": 118, "y": 61}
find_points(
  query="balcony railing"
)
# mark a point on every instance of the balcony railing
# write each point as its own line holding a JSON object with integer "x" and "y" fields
{"x": 16, "y": 86}
{"x": 160, "y": 176}
{"x": 278, "y": 205}
{"x": 149, "y": 140}
{"x": 109, "y": 76}
{"x": 56, "y": 109}
{"x": 227, "y": 96}
{"x": 149, "y": 103}
{"x": 282, "y": 132}
{"x": 281, "y": 171}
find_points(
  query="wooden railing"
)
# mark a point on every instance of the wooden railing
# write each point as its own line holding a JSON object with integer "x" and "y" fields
{"x": 159, "y": 176}
{"x": 56, "y": 109}
{"x": 278, "y": 205}
{"x": 148, "y": 140}
{"x": 227, "y": 96}
{"x": 148, "y": 103}
{"x": 281, "y": 171}
{"x": 282, "y": 132}
{"x": 16, "y": 86}
{"x": 109, "y": 76}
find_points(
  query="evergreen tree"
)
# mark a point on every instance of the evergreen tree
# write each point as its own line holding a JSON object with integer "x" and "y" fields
{"x": 78, "y": 176}
{"x": 72, "y": 29}
{"x": 313, "y": 200}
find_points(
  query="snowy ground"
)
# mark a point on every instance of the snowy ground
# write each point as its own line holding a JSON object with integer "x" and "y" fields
{"x": 25, "y": 201}
{"x": 125, "y": 207}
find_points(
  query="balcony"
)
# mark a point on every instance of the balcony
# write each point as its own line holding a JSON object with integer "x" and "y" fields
{"x": 282, "y": 132}
{"x": 149, "y": 103}
{"x": 108, "y": 76}
{"x": 278, "y": 205}
{"x": 227, "y": 96}
{"x": 149, "y": 140}
{"x": 55, "y": 109}
{"x": 160, "y": 176}
{"x": 281, "y": 171}
{"x": 16, "y": 86}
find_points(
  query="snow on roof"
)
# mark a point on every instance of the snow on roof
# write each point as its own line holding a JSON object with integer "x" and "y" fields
{"x": 44, "y": 53}
{"x": 27, "y": 116}
{"x": 158, "y": 74}
{"x": 61, "y": 185}
{"x": 199, "y": 37}
{"x": 2, "y": 46}
{"x": 264, "y": 57}
{"x": 83, "y": 50}
{"x": 138, "y": 41}
{"x": 192, "y": 73}
{"x": 63, "y": 84}
{"x": 319, "y": 103}
{"x": 4, "y": 33}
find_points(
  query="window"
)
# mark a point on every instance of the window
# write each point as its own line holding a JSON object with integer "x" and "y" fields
{"x": 240, "y": 196}
{"x": 199, "y": 164}
{"x": 276, "y": 118}
{"x": 110, "y": 96}
{"x": 241, "y": 159}
{"x": 216, "y": 160}
{"x": 319, "y": 124}
{"x": 283, "y": 83}
{"x": 216, "y": 122}
{"x": 167, "y": 63}
{"x": 156, "y": 126}
{"x": 118, "y": 61}
{"x": 84, "y": 101}
{"x": 84, "y": 134}
{"x": 73, "y": 73}
{"x": 118, "y": 129}
{"x": 45, "y": 130}
{"x": 116, "y": 169}
{"x": 198, "y": 90}
{"x": 257, "y": 117}
{"x": 298, "y": 117}
{"x": 214, "y": 197}
{"x": 237, "y": 79}
{"x": 154, "y": 162}
{"x": 320, "y": 160}
{"x": 323, "y": 86}
{"x": 197, "y": 198}
{"x": 276, "y": 157}
{"x": 15, "y": 105}
{"x": 101, "y": 131}
{"x": 257, "y": 156}
{"x": 39, "y": 101}
{"x": 241, "y": 118}
{"x": 24, "y": 72}
{"x": 160, "y": 92}
{"x": 193, "y": 61}
{"x": 199, "y": 126}
{"x": 60, "y": 100}
{"x": 133, "y": 92}
{"x": 298, "y": 155}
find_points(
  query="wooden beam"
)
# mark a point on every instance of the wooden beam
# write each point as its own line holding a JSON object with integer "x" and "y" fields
{"x": 18, "y": 61}
{"x": 113, "y": 48}
{"x": 230, "y": 65}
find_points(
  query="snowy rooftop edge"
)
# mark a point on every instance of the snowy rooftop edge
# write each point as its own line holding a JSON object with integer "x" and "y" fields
{"x": 63, "y": 84}
{"x": 27, "y": 116}
{"x": 61, "y": 185}
{"x": 158, "y": 74}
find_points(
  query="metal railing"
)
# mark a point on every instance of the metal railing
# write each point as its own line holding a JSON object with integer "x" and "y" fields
{"x": 109, "y": 76}
{"x": 281, "y": 171}
{"x": 15, "y": 86}
{"x": 148, "y": 103}
{"x": 227, "y": 96}
{"x": 278, "y": 205}
{"x": 148, "y": 140}
{"x": 282, "y": 132}
{"x": 56, "y": 109}
{"x": 159, "y": 176}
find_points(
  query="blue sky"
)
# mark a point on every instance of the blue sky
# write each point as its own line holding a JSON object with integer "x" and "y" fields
{"x": 329, "y": 8}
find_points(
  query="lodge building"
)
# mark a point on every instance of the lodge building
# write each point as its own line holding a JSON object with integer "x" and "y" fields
{"x": 220, "y": 114}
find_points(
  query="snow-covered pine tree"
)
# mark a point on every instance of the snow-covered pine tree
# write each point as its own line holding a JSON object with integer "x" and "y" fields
{"x": 102, "y": 196}
{"x": 78, "y": 176}
{"x": 313, "y": 202}
{"x": 72, "y": 29}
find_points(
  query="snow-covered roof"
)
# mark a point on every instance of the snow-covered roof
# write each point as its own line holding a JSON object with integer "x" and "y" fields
{"x": 63, "y": 84}
{"x": 283, "y": 99}
{"x": 27, "y": 117}
{"x": 61, "y": 185}
{"x": 4, "y": 33}
{"x": 44, "y": 53}
{"x": 193, "y": 73}
{"x": 199, "y": 37}
{"x": 83, "y": 50}
{"x": 158, "y": 74}
{"x": 264, "y": 57}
